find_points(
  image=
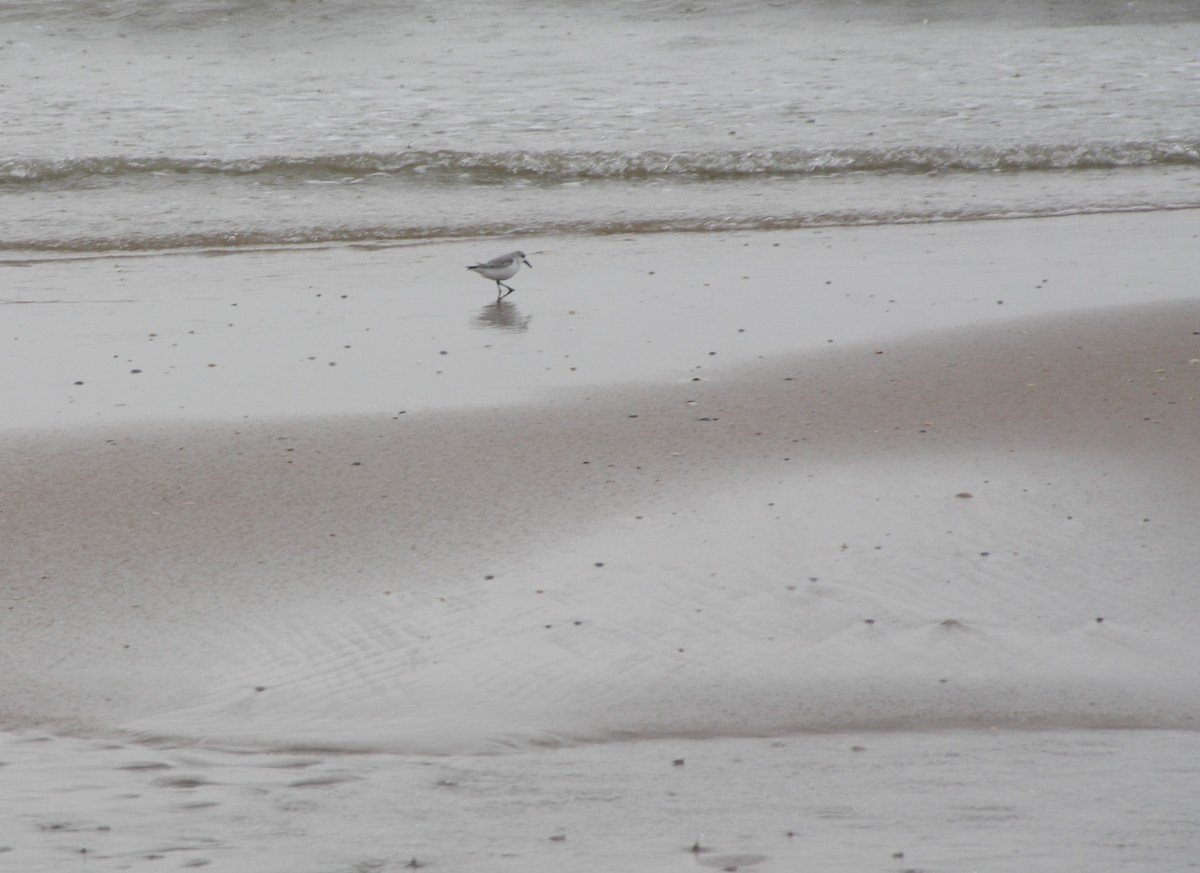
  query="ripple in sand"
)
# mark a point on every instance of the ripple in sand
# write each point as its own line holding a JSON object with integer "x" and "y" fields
{"x": 180, "y": 782}
{"x": 322, "y": 781}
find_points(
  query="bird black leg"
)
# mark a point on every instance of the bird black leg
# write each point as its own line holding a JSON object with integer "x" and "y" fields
{"x": 500, "y": 285}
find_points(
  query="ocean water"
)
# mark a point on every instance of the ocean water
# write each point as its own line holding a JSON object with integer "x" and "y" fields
{"x": 133, "y": 125}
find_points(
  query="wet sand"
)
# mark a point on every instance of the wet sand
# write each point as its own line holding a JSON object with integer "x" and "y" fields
{"x": 942, "y": 477}
{"x": 938, "y": 801}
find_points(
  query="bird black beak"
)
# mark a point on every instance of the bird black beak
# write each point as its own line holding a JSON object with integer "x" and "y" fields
{"x": 527, "y": 264}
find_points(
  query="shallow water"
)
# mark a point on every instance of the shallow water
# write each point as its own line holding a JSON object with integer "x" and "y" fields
{"x": 132, "y": 126}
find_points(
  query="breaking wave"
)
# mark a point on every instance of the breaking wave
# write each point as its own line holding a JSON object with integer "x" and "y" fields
{"x": 385, "y": 235}
{"x": 550, "y": 167}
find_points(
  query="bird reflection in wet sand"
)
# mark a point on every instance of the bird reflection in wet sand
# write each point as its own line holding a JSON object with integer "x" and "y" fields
{"x": 502, "y": 315}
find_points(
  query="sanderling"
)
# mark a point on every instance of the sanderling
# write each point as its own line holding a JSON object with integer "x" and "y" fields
{"x": 503, "y": 267}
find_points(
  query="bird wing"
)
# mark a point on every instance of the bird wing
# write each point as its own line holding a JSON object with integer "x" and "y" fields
{"x": 495, "y": 263}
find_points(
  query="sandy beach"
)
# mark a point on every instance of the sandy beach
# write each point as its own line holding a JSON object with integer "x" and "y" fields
{"x": 924, "y": 489}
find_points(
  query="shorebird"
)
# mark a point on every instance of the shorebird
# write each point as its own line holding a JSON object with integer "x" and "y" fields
{"x": 503, "y": 267}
